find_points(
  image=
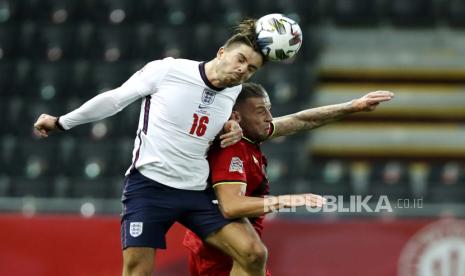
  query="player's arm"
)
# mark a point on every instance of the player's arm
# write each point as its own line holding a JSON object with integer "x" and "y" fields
{"x": 97, "y": 108}
{"x": 142, "y": 83}
{"x": 316, "y": 117}
{"x": 234, "y": 204}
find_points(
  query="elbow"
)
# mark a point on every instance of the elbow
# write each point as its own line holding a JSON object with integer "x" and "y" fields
{"x": 229, "y": 212}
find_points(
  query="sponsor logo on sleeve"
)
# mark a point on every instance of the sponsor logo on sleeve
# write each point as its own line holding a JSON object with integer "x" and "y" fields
{"x": 236, "y": 165}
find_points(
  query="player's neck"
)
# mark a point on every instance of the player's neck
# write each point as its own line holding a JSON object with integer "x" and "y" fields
{"x": 212, "y": 75}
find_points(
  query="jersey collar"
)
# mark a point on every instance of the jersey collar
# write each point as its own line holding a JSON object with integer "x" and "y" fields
{"x": 203, "y": 75}
{"x": 250, "y": 140}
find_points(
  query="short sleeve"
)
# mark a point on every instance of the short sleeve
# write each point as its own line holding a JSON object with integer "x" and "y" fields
{"x": 146, "y": 80}
{"x": 227, "y": 164}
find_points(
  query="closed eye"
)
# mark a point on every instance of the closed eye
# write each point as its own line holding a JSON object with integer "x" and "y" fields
{"x": 252, "y": 68}
{"x": 261, "y": 110}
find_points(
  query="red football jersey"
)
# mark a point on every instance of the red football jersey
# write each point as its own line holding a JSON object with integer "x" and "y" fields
{"x": 242, "y": 162}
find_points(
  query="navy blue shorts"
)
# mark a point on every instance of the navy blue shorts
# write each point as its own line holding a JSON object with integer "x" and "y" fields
{"x": 151, "y": 208}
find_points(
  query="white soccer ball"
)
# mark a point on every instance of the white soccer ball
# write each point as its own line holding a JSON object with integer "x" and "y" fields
{"x": 278, "y": 36}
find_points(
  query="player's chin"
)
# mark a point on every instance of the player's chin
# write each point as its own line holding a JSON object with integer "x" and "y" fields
{"x": 235, "y": 82}
{"x": 262, "y": 137}
{"x": 231, "y": 83}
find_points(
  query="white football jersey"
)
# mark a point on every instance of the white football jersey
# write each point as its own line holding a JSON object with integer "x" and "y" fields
{"x": 180, "y": 116}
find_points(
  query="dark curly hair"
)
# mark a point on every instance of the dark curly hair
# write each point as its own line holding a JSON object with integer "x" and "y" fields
{"x": 244, "y": 33}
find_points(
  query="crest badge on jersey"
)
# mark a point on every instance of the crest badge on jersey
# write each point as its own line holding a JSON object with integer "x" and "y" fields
{"x": 208, "y": 96}
{"x": 136, "y": 228}
{"x": 236, "y": 165}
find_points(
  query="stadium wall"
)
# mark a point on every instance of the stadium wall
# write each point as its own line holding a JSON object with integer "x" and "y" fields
{"x": 76, "y": 246}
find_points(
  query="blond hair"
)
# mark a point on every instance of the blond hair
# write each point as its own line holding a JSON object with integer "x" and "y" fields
{"x": 244, "y": 33}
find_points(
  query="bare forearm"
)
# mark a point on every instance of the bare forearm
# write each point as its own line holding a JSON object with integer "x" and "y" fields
{"x": 311, "y": 118}
{"x": 319, "y": 116}
{"x": 315, "y": 117}
{"x": 246, "y": 206}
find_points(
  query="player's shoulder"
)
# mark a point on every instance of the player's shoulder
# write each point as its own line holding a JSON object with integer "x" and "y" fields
{"x": 178, "y": 63}
{"x": 169, "y": 64}
{"x": 238, "y": 148}
{"x": 219, "y": 157}
{"x": 158, "y": 64}
{"x": 185, "y": 62}
{"x": 184, "y": 66}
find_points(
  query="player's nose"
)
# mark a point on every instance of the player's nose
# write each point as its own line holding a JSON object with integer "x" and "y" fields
{"x": 242, "y": 68}
{"x": 268, "y": 117}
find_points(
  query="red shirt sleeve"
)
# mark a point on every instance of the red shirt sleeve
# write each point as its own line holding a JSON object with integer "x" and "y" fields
{"x": 227, "y": 164}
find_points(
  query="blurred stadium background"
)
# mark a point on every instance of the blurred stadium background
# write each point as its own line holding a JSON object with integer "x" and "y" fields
{"x": 59, "y": 197}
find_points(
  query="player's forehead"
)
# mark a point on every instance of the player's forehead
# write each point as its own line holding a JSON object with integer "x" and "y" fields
{"x": 242, "y": 49}
{"x": 260, "y": 102}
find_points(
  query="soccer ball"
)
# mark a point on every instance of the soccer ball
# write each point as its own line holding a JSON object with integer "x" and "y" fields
{"x": 278, "y": 36}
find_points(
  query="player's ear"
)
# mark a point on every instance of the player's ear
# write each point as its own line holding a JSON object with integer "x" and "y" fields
{"x": 220, "y": 53}
{"x": 236, "y": 116}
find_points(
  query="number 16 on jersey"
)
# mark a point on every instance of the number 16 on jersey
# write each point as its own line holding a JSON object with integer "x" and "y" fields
{"x": 199, "y": 125}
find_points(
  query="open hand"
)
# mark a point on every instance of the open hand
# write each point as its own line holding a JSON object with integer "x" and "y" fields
{"x": 310, "y": 200}
{"x": 232, "y": 135}
{"x": 370, "y": 101}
